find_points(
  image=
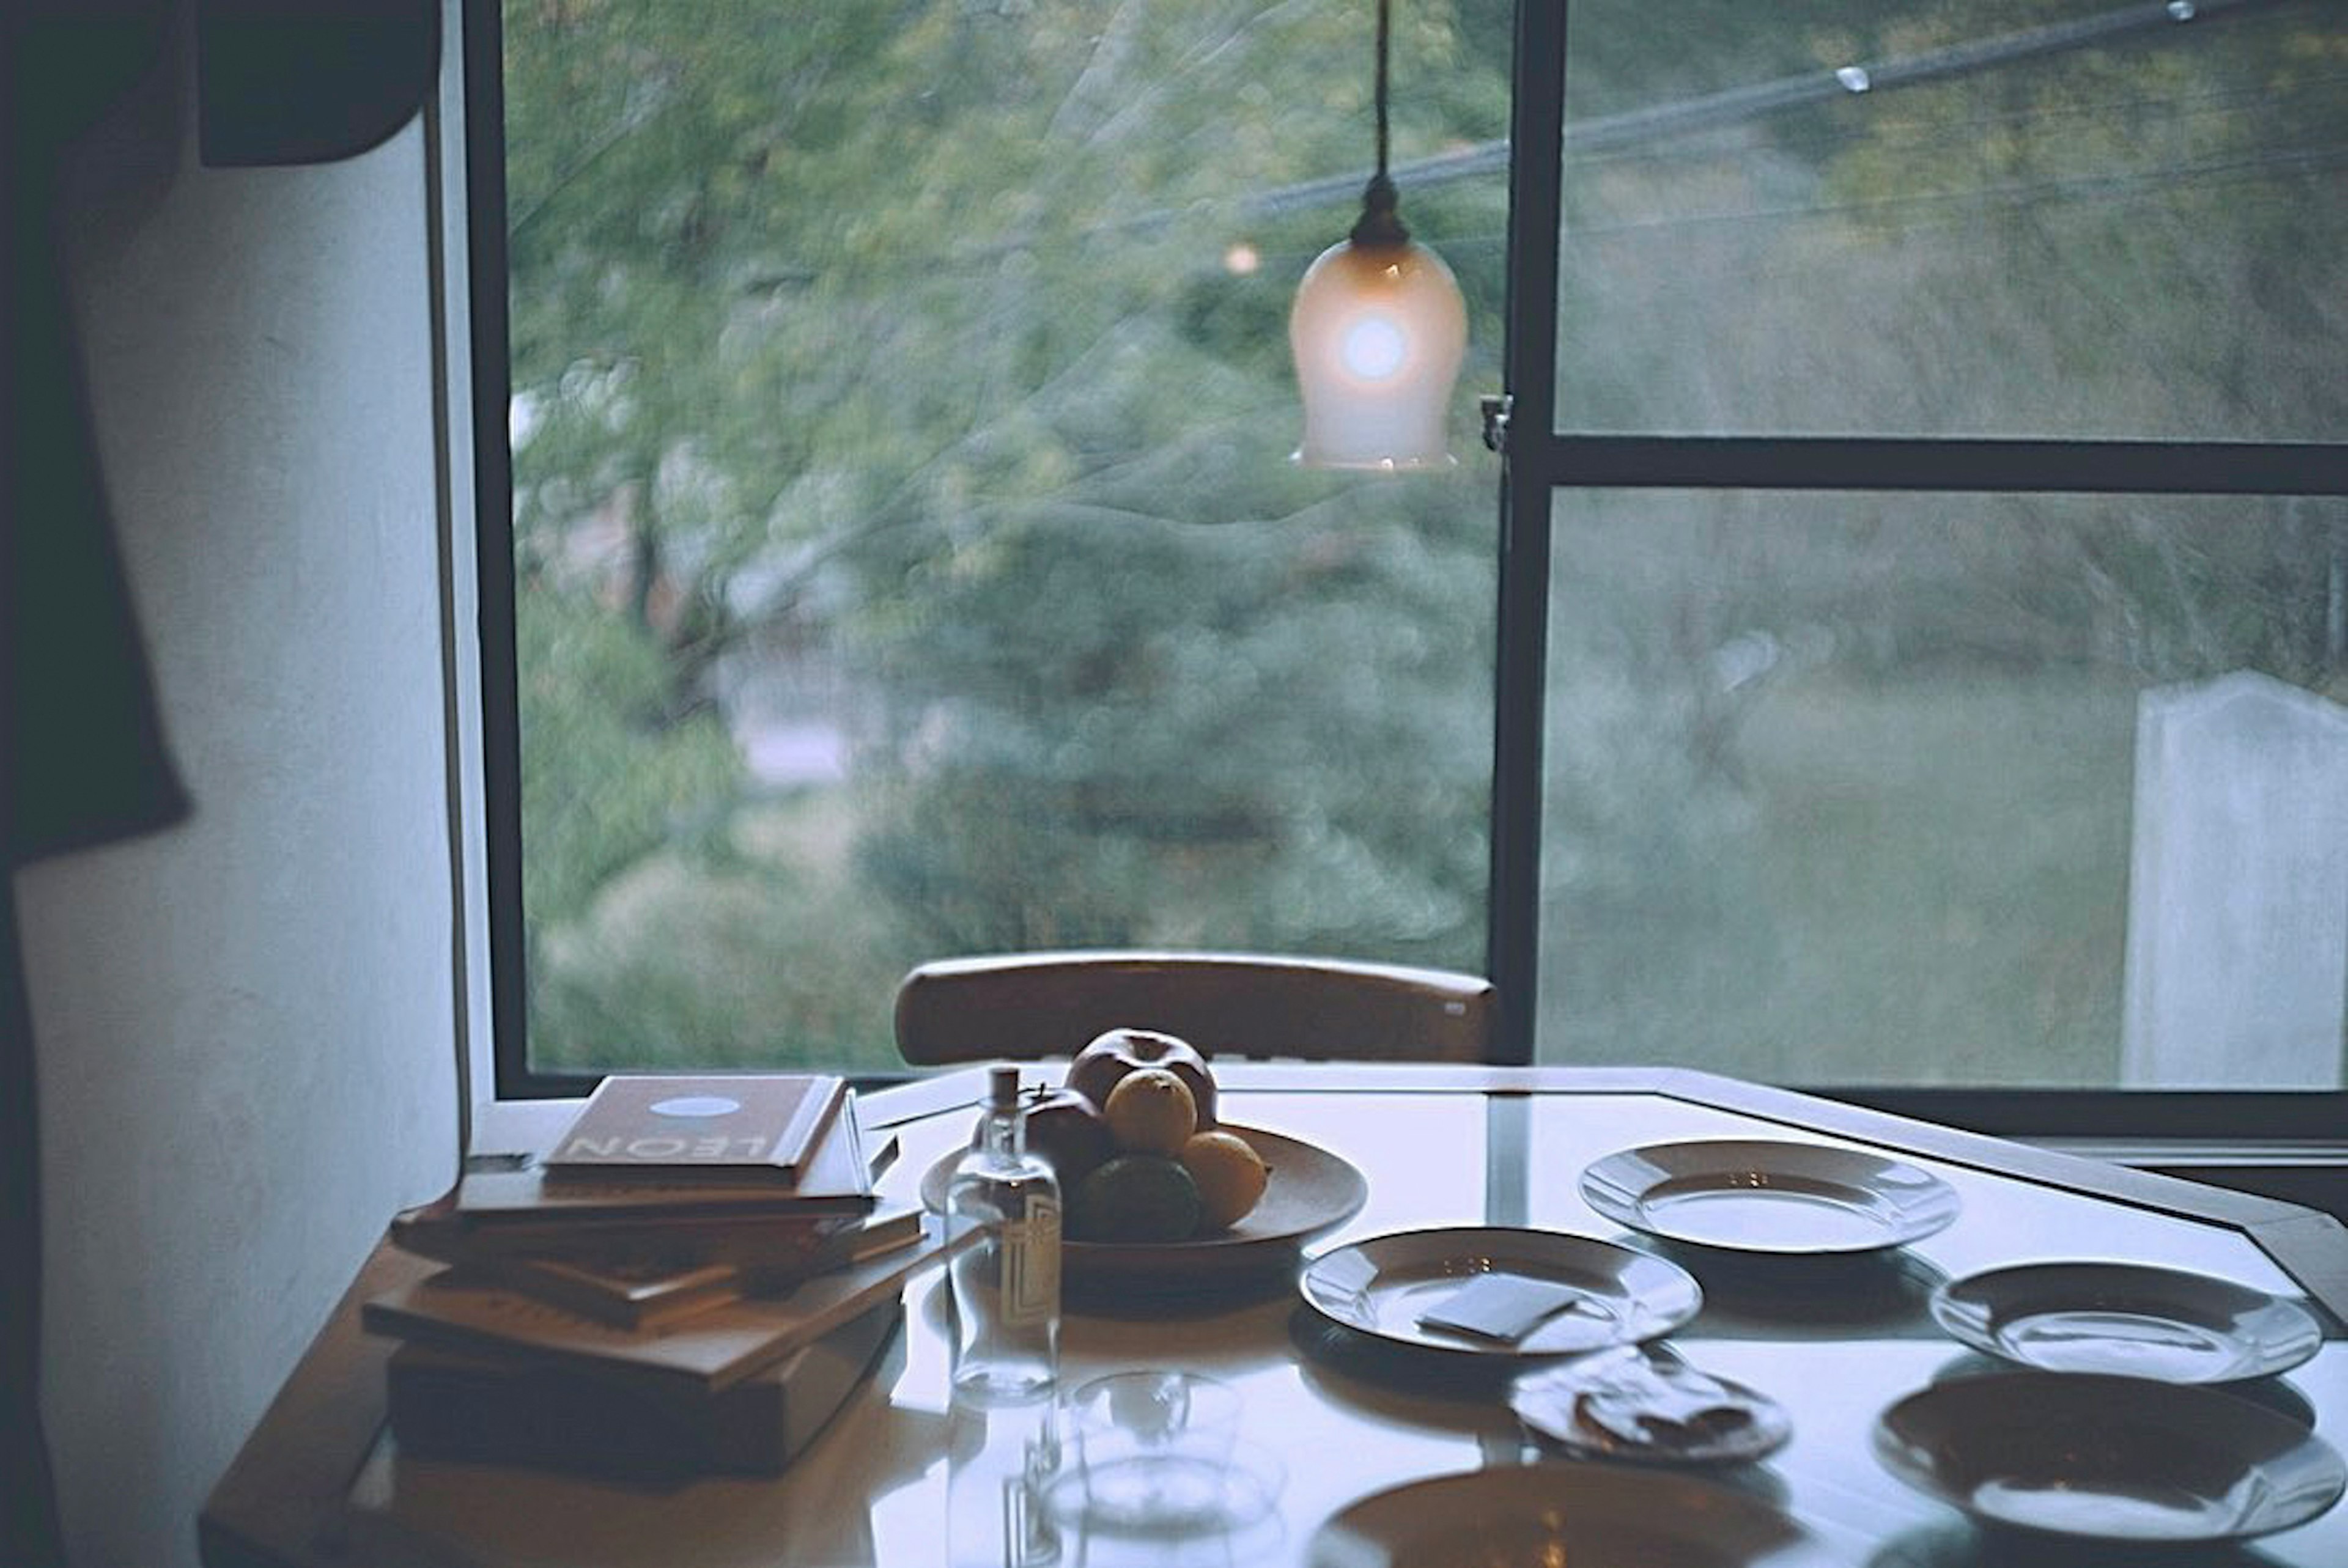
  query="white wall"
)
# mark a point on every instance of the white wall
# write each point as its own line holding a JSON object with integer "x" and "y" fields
{"x": 245, "y": 1024}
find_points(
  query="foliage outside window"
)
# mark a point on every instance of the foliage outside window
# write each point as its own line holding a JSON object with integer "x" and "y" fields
{"x": 909, "y": 562}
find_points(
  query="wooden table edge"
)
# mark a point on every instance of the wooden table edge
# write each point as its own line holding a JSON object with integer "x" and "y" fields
{"x": 283, "y": 1501}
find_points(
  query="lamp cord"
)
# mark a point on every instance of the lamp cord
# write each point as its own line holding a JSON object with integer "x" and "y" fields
{"x": 1379, "y": 224}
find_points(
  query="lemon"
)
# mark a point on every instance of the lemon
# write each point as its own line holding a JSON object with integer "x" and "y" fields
{"x": 1150, "y": 1111}
{"x": 1230, "y": 1173}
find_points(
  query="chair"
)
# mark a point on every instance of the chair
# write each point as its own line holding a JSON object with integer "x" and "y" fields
{"x": 1024, "y": 1006}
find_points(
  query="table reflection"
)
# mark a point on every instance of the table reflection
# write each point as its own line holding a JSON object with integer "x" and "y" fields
{"x": 903, "y": 1476}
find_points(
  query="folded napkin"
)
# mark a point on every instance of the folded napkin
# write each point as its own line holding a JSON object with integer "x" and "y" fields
{"x": 1644, "y": 1402}
{"x": 1639, "y": 1402}
{"x": 1505, "y": 1307}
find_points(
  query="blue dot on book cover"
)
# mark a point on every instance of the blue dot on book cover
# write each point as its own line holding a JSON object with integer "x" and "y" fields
{"x": 697, "y": 1105}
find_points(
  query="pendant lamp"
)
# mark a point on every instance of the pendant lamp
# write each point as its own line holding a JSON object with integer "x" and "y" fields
{"x": 1378, "y": 330}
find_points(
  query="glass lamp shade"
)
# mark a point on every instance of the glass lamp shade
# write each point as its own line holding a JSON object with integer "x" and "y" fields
{"x": 1378, "y": 330}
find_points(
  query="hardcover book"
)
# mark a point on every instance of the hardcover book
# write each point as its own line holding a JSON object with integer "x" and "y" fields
{"x": 459, "y": 1308}
{"x": 833, "y": 1176}
{"x": 746, "y": 1128}
{"x": 501, "y": 1410}
{"x": 512, "y": 1215}
{"x": 666, "y": 1278}
{"x": 640, "y": 1291}
{"x": 774, "y": 1242}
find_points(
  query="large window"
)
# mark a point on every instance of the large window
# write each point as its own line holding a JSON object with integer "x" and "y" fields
{"x": 1902, "y": 643}
{"x": 906, "y": 557}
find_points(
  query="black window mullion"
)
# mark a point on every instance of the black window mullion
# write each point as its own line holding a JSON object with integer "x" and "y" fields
{"x": 1537, "y": 132}
{"x": 1893, "y": 464}
{"x": 485, "y": 179}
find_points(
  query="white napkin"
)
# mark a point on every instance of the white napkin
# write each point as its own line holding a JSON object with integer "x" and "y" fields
{"x": 1500, "y": 1307}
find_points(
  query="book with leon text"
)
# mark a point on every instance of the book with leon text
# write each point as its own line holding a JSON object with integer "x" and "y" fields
{"x": 745, "y": 1128}
{"x": 502, "y": 1209}
{"x": 833, "y": 1177}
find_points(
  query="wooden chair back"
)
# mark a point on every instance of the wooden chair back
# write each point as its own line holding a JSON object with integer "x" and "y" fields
{"x": 1027, "y": 1005}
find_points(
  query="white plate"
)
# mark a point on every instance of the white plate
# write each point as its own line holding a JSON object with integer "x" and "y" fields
{"x": 2111, "y": 1458}
{"x": 2126, "y": 1318}
{"x": 1762, "y": 1195}
{"x": 1380, "y": 1287}
{"x": 1532, "y": 1516}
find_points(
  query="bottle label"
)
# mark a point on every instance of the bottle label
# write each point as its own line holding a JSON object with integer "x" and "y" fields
{"x": 1031, "y": 1262}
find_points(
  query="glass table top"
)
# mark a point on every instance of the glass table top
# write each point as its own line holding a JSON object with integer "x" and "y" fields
{"x": 1834, "y": 1340}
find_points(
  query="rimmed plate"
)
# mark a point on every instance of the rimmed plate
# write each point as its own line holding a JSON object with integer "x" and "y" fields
{"x": 1767, "y": 1195}
{"x": 1310, "y": 1189}
{"x": 2105, "y": 1457}
{"x": 2131, "y": 1319}
{"x": 1531, "y": 1516}
{"x": 1381, "y": 1286}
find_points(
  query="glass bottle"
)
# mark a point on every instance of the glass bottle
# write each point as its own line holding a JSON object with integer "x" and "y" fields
{"x": 1006, "y": 1284}
{"x": 1001, "y": 1457}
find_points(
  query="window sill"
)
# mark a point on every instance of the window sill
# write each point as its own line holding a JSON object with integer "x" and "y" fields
{"x": 2305, "y": 1170}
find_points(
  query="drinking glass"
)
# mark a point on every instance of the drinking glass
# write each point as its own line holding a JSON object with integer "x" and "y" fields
{"x": 1154, "y": 1450}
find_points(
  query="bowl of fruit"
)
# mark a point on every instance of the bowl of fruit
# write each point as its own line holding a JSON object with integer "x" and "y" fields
{"x": 1155, "y": 1186}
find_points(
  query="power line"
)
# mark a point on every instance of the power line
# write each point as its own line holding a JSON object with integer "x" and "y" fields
{"x": 1638, "y": 131}
{"x": 2035, "y": 119}
{"x": 1642, "y": 128}
{"x": 2094, "y": 186}
{"x": 2134, "y": 184}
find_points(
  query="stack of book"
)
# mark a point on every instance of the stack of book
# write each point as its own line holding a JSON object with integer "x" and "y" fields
{"x": 690, "y": 1280}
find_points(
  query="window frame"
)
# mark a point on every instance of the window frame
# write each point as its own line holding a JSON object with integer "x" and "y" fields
{"x": 1538, "y": 461}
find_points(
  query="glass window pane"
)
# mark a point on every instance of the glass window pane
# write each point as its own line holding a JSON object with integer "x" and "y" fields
{"x": 2040, "y": 218}
{"x": 910, "y": 559}
{"x": 1987, "y": 792}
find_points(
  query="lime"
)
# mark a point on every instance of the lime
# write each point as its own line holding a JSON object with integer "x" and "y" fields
{"x": 1135, "y": 1197}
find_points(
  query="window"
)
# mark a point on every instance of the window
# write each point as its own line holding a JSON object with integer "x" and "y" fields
{"x": 907, "y": 559}
{"x": 1918, "y": 413}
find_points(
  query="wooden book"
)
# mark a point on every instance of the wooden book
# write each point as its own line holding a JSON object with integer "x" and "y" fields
{"x": 458, "y": 1309}
{"x": 491, "y": 1409}
{"x": 626, "y": 1292}
{"x": 666, "y": 1278}
{"x": 739, "y": 1129}
{"x": 773, "y": 1243}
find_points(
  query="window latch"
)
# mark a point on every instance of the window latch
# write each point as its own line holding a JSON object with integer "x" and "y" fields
{"x": 1495, "y": 406}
